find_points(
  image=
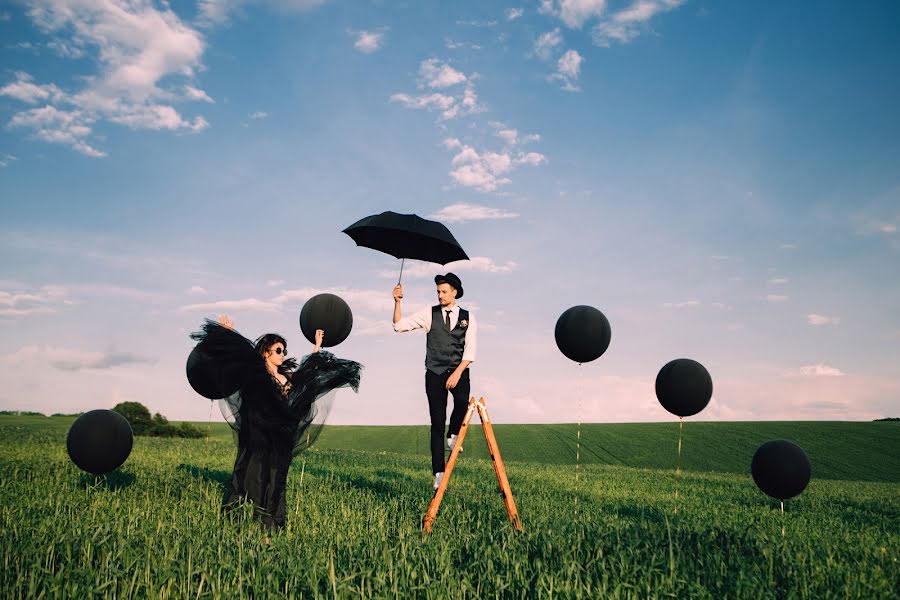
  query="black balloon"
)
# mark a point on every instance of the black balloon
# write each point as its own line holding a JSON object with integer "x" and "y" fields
{"x": 683, "y": 387}
{"x": 207, "y": 377}
{"x": 99, "y": 441}
{"x": 582, "y": 333}
{"x": 329, "y": 313}
{"x": 781, "y": 469}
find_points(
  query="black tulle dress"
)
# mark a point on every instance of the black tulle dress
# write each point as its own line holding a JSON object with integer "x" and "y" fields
{"x": 273, "y": 422}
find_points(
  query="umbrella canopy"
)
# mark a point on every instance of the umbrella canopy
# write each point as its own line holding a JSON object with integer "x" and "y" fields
{"x": 407, "y": 236}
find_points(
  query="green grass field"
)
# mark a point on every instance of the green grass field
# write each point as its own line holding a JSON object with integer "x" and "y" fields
{"x": 356, "y": 500}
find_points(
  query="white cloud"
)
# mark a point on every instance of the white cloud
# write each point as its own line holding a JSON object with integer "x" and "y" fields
{"x": 138, "y": 45}
{"x": 574, "y": 13}
{"x": 25, "y": 90}
{"x": 685, "y": 304}
{"x": 819, "y": 370}
{"x": 451, "y": 45}
{"x": 437, "y": 74}
{"x": 513, "y": 13}
{"x": 888, "y": 228}
{"x": 218, "y": 12}
{"x": 275, "y": 282}
{"x": 416, "y": 269}
{"x": 625, "y": 25}
{"x": 814, "y": 319}
{"x": 196, "y": 290}
{"x": 459, "y": 213}
{"x": 6, "y": 159}
{"x": 775, "y": 298}
{"x": 247, "y": 304}
{"x": 778, "y": 280}
{"x": 568, "y": 70}
{"x": 429, "y": 101}
{"x": 198, "y": 95}
{"x": 66, "y": 49}
{"x": 259, "y": 115}
{"x": 486, "y": 172}
{"x": 66, "y": 359}
{"x": 369, "y": 41}
{"x": 477, "y": 23}
{"x": 547, "y": 43}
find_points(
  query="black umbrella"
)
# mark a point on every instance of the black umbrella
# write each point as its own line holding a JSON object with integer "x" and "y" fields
{"x": 407, "y": 236}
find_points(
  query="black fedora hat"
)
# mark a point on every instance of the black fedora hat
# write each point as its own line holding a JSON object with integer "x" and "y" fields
{"x": 453, "y": 281}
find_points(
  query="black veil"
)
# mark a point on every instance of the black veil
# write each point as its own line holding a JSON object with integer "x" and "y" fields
{"x": 258, "y": 404}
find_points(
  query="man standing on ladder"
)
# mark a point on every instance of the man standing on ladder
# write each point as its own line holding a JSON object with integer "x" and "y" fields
{"x": 449, "y": 350}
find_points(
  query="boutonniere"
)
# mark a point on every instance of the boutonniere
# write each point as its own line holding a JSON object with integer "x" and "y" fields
{"x": 463, "y": 323}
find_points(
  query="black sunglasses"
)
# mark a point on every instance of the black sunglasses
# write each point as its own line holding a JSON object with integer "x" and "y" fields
{"x": 279, "y": 351}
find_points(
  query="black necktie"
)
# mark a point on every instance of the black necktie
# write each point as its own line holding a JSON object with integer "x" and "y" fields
{"x": 448, "y": 320}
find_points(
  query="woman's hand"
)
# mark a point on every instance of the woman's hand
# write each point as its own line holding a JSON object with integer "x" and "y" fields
{"x": 225, "y": 321}
{"x": 320, "y": 337}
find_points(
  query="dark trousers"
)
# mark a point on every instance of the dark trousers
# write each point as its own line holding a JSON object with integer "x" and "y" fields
{"x": 436, "y": 390}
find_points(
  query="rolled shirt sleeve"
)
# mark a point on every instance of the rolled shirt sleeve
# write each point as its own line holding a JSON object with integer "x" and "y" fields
{"x": 420, "y": 319}
{"x": 471, "y": 341}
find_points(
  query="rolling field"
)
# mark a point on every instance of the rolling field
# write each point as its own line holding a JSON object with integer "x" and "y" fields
{"x": 356, "y": 500}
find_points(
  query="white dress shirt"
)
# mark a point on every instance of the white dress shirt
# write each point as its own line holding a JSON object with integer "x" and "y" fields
{"x": 422, "y": 320}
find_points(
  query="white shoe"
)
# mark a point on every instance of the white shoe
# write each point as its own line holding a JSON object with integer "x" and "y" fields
{"x": 451, "y": 441}
{"x": 437, "y": 479}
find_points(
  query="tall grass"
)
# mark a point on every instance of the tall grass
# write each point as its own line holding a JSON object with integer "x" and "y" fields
{"x": 153, "y": 529}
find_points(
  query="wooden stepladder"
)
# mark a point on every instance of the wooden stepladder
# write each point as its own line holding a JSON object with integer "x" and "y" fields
{"x": 493, "y": 450}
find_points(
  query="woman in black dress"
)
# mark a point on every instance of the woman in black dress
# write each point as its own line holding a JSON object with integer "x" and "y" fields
{"x": 275, "y": 410}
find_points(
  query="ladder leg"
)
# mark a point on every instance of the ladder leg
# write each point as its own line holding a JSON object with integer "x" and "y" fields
{"x": 430, "y": 516}
{"x": 494, "y": 451}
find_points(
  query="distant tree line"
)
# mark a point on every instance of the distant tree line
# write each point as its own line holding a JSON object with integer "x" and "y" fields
{"x": 156, "y": 426}
{"x": 22, "y": 413}
{"x": 889, "y": 419}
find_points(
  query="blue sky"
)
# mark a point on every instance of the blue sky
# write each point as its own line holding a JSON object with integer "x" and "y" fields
{"x": 719, "y": 178}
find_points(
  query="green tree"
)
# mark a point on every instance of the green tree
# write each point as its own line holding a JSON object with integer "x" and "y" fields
{"x": 137, "y": 414}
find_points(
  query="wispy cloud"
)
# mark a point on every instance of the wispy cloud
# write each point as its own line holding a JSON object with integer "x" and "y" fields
{"x": 778, "y": 281}
{"x": 547, "y": 42}
{"x": 774, "y": 298}
{"x": 685, "y": 304}
{"x": 368, "y": 42}
{"x": 453, "y": 45}
{"x": 436, "y": 74}
{"x": 138, "y": 46}
{"x": 196, "y": 290}
{"x": 219, "y": 12}
{"x": 461, "y": 212}
{"x": 568, "y": 70}
{"x": 625, "y": 25}
{"x": 260, "y": 114}
{"x": 574, "y": 13}
{"x": 246, "y": 304}
{"x": 814, "y": 319}
{"x": 818, "y": 370}
{"x": 415, "y": 269}
{"x": 512, "y": 14}
{"x": 67, "y": 359}
{"x": 477, "y": 23}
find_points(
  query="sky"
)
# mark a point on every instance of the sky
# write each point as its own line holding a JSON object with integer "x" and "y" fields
{"x": 720, "y": 179}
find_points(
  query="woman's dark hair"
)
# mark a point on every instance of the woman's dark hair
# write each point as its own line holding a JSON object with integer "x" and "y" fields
{"x": 264, "y": 342}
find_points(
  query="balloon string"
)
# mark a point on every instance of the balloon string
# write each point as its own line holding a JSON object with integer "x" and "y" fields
{"x": 209, "y": 421}
{"x": 782, "y": 518}
{"x": 578, "y": 437}
{"x": 678, "y": 461}
{"x": 402, "y": 260}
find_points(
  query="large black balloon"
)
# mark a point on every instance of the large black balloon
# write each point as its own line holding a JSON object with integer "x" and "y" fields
{"x": 99, "y": 441}
{"x": 683, "y": 387}
{"x": 207, "y": 377}
{"x": 781, "y": 469}
{"x": 329, "y": 313}
{"x": 582, "y": 333}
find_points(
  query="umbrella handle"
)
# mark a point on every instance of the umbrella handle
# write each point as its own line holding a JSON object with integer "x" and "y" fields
{"x": 402, "y": 260}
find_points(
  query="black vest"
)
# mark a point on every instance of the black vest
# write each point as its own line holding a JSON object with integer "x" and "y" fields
{"x": 444, "y": 349}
